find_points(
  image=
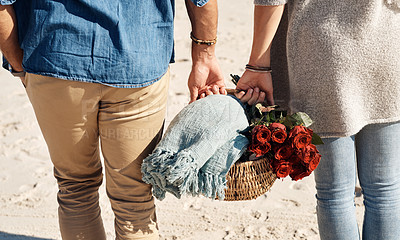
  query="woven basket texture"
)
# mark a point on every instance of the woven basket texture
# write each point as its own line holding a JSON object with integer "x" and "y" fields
{"x": 248, "y": 180}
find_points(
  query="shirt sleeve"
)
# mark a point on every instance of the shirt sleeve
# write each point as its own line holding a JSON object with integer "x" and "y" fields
{"x": 7, "y": 2}
{"x": 198, "y": 3}
{"x": 270, "y": 2}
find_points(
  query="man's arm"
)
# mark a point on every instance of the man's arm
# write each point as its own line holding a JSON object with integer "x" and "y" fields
{"x": 206, "y": 76}
{"x": 266, "y": 22}
{"x": 9, "y": 44}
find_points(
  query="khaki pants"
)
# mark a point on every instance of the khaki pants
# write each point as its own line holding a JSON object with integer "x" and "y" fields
{"x": 73, "y": 117}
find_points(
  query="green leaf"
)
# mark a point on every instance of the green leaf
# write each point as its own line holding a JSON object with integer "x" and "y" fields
{"x": 267, "y": 118}
{"x": 300, "y": 118}
{"x": 316, "y": 140}
{"x": 272, "y": 116}
{"x": 254, "y": 111}
{"x": 287, "y": 122}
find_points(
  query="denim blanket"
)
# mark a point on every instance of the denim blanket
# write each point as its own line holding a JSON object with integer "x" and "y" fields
{"x": 198, "y": 148}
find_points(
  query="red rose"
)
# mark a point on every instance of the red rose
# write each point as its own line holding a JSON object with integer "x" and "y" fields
{"x": 299, "y": 171}
{"x": 309, "y": 131}
{"x": 278, "y": 132}
{"x": 308, "y": 153}
{"x": 300, "y": 136}
{"x": 275, "y": 146}
{"x": 314, "y": 162}
{"x": 274, "y": 126}
{"x": 261, "y": 134}
{"x": 301, "y": 140}
{"x": 260, "y": 148}
{"x": 284, "y": 152}
{"x": 296, "y": 130}
{"x": 282, "y": 169}
{"x": 294, "y": 159}
{"x": 278, "y": 136}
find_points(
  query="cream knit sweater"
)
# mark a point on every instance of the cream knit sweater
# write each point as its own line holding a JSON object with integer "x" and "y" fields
{"x": 338, "y": 61}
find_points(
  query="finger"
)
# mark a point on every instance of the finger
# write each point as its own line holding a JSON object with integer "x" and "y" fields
{"x": 194, "y": 94}
{"x": 203, "y": 95}
{"x": 240, "y": 94}
{"x": 247, "y": 96}
{"x": 254, "y": 97}
{"x": 209, "y": 92}
{"x": 222, "y": 90}
{"x": 215, "y": 89}
{"x": 261, "y": 97}
{"x": 270, "y": 98}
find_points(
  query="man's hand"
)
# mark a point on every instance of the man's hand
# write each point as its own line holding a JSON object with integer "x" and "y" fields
{"x": 9, "y": 37}
{"x": 206, "y": 76}
{"x": 257, "y": 87}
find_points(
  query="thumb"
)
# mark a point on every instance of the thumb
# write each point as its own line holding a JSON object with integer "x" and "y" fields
{"x": 194, "y": 93}
{"x": 270, "y": 98}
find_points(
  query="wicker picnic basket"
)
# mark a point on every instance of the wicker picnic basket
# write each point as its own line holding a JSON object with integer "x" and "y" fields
{"x": 248, "y": 180}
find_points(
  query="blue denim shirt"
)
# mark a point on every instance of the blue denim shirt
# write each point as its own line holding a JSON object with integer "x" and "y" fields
{"x": 121, "y": 43}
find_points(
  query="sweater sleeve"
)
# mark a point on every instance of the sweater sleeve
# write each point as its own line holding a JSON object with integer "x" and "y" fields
{"x": 270, "y": 2}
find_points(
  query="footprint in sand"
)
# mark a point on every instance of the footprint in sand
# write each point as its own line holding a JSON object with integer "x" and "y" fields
{"x": 256, "y": 214}
{"x": 293, "y": 202}
{"x": 193, "y": 204}
{"x": 41, "y": 172}
{"x": 304, "y": 233}
{"x": 28, "y": 196}
{"x": 27, "y": 187}
{"x": 298, "y": 186}
{"x": 11, "y": 128}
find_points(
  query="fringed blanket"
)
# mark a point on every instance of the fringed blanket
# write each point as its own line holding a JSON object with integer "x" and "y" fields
{"x": 198, "y": 149}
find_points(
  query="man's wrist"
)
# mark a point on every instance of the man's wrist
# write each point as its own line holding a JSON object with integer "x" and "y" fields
{"x": 202, "y": 41}
{"x": 203, "y": 52}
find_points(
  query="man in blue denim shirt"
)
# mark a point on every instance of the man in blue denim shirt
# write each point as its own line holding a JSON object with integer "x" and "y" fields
{"x": 98, "y": 71}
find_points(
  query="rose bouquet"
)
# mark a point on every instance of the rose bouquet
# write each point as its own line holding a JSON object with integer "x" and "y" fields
{"x": 285, "y": 140}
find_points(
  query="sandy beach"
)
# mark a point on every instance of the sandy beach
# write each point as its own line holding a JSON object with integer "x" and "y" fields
{"x": 28, "y": 206}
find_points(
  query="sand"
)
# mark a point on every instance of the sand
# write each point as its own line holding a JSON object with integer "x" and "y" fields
{"x": 28, "y": 206}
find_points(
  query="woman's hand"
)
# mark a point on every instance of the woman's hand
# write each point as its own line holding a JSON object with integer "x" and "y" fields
{"x": 256, "y": 87}
{"x": 266, "y": 21}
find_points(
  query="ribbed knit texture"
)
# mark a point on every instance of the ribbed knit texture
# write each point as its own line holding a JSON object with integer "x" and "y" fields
{"x": 198, "y": 149}
{"x": 339, "y": 62}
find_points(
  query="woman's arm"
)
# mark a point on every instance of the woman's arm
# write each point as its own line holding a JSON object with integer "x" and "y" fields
{"x": 9, "y": 44}
{"x": 266, "y": 22}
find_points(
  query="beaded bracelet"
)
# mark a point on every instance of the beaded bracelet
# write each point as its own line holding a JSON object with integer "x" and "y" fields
{"x": 258, "y": 69}
{"x": 199, "y": 41}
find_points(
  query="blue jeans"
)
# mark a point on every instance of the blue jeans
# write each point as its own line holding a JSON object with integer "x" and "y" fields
{"x": 373, "y": 153}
